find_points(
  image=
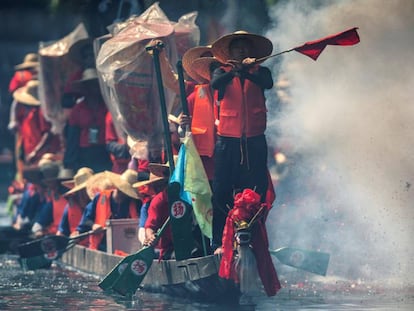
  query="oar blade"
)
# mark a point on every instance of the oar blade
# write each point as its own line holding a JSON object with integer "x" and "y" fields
{"x": 131, "y": 278}
{"x": 311, "y": 261}
{"x": 181, "y": 222}
{"x": 115, "y": 273}
{"x": 42, "y": 246}
{"x": 34, "y": 263}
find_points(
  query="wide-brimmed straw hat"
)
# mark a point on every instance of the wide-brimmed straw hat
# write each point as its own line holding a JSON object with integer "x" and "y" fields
{"x": 45, "y": 170}
{"x": 161, "y": 170}
{"x": 31, "y": 60}
{"x": 64, "y": 174}
{"x": 89, "y": 79}
{"x": 98, "y": 183}
{"x": 124, "y": 182}
{"x": 79, "y": 181}
{"x": 193, "y": 54}
{"x": 153, "y": 180}
{"x": 75, "y": 50}
{"x": 32, "y": 174}
{"x": 49, "y": 167}
{"x": 203, "y": 67}
{"x": 261, "y": 46}
{"x": 28, "y": 94}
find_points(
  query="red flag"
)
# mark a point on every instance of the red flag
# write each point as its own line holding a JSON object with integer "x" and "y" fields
{"x": 314, "y": 48}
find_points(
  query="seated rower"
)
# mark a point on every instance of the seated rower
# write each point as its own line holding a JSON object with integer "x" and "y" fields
{"x": 49, "y": 217}
{"x": 158, "y": 211}
{"x": 148, "y": 189}
{"x": 118, "y": 202}
{"x": 77, "y": 198}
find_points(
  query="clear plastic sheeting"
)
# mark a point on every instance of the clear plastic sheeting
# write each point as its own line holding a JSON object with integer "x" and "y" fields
{"x": 55, "y": 67}
{"x": 186, "y": 33}
{"x": 127, "y": 71}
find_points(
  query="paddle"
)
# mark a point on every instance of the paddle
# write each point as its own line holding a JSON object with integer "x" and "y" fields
{"x": 128, "y": 274}
{"x": 43, "y": 261}
{"x": 180, "y": 211}
{"x": 50, "y": 243}
{"x": 312, "y": 261}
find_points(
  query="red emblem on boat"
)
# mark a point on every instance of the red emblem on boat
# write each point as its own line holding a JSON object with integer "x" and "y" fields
{"x": 51, "y": 255}
{"x": 178, "y": 209}
{"x": 139, "y": 267}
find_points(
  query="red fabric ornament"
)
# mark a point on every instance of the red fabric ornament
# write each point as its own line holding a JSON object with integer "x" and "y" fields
{"x": 246, "y": 206}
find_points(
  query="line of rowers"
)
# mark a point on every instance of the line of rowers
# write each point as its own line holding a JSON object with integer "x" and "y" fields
{"x": 227, "y": 118}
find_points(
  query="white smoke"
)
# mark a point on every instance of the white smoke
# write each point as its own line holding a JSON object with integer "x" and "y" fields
{"x": 349, "y": 129}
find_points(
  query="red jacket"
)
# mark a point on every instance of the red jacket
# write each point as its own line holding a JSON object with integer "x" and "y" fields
{"x": 119, "y": 165}
{"x": 158, "y": 213}
{"x": 19, "y": 79}
{"x": 85, "y": 117}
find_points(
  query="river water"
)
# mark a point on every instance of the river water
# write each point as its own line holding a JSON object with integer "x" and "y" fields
{"x": 61, "y": 288}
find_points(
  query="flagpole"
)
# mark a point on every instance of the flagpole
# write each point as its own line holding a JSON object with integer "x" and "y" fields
{"x": 273, "y": 55}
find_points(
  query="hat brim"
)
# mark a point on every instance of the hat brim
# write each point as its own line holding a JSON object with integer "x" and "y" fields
{"x": 153, "y": 181}
{"x": 261, "y": 46}
{"x": 122, "y": 185}
{"x": 26, "y": 65}
{"x": 68, "y": 183}
{"x": 158, "y": 169}
{"x": 21, "y": 96}
{"x": 33, "y": 174}
{"x": 76, "y": 189}
{"x": 80, "y": 85}
{"x": 203, "y": 67}
{"x": 189, "y": 57}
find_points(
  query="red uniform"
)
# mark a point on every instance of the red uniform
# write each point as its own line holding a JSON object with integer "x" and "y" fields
{"x": 19, "y": 79}
{"x": 158, "y": 213}
{"x": 118, "y": 150}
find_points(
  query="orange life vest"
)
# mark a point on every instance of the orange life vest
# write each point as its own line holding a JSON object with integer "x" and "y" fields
{"x": 59, "y": 204}
{"x": 242, "y": 111}
{"x": 202, "y": 125}
{"x": 74, "y": 216}
{"x": 103, "y": 213}
{"x": 75, "y": 213}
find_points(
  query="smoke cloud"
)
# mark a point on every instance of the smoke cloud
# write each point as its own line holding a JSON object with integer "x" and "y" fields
{"x": 348, "y": 132}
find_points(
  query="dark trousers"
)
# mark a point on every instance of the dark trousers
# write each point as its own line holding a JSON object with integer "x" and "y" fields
{"x": 240, "y": 163}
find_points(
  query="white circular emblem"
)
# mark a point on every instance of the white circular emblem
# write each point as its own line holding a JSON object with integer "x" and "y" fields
{"x": 178, "y": 209}
{"x": 139, "y": 267}
{"x": 297, "y": 258}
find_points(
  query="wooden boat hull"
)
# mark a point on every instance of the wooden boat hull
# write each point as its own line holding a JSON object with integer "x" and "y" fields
{"x": 194, "y": 278}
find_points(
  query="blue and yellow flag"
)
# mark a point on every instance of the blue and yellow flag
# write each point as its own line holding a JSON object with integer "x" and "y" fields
{"x": 195, "y": 188}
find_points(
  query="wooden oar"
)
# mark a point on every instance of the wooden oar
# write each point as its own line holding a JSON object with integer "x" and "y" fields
{"x": 311, "y": 261}
{"x": 181, "y": 212}
{"x": 49, "y": 244}
{"x": 128, "y": 274}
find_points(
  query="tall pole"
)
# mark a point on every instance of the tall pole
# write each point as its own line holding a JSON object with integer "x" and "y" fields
{"x": 167, "y": 137}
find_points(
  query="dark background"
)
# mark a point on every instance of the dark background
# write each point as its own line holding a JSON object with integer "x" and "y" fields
{"x": 26, "y": 23}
